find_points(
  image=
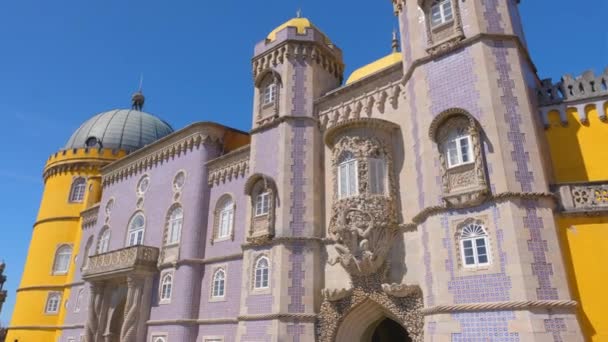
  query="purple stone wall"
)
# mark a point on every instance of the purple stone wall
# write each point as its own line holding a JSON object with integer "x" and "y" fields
{"x": 257, "y": 331}
{"x": 226, "y": 330}
{"x": 228, "y": 308}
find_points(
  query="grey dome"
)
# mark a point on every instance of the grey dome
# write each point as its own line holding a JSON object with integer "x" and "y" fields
{"x": 125, "y": 129}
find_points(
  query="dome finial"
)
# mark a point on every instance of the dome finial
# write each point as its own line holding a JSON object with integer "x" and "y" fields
{"x": 299, "y": 13}
{"x": 395, "y": 42}
{"x": 138, "y": 99}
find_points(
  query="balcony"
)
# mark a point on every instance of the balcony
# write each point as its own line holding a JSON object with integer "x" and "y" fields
{"x": 584, "y": 198}
{"x": 121, "y": 262}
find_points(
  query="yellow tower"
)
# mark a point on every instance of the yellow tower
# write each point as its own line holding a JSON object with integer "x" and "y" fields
{"x": 72, "y": 184}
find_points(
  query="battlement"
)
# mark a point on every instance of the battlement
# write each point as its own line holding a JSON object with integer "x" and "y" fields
{"x": 585, "y": 86}
{"x": 84, "y": 153}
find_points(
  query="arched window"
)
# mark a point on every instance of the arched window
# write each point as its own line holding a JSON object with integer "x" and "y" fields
{"x": 87, "y": 251}
{"x": 219, "y": 279}
{"x": 166, "y": 287}
{"x": 225, "y": 217}
{"x": 348, "y": 176}
{"x": 262, "y": 204}
{"x": 52, "y": 303}
{"x": 79, "y": 186}
{"x": 78, "y": 300}
{"x": 137, "y": 227}
{"x": 176, "y": 219}
{"x": 474, "y": 246}
{"x": 458, "y": 147}
{"x": 104, "y": 241}
{"x": 62, "y": 259}
{"x": 261, "y": 273}
{"x": 441, "y": 12}
{"x": 377, "y": 176}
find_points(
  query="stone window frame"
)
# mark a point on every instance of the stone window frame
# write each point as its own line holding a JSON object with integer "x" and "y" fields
{"x": 460, "y": 268}
{"x": 105, "y": 229}
{"x": 79, "y": 298}
{"x": 54, "y": 271}
{"x": 455, "y": 25}
{"x": 216, "y": 218}
{"x": 265, "y": 78}
{"x": 86, "y": 251}
{"x": 138, "y": 190}
{"x": 174, "y": 185}
{"x": 439, "y": 129}
{"x": 257, "y": 261}
{"x": 77, "y": 181}
{"x": 254, "y": 257}
{"x": 163, "y": 276}
{"x": 128, "y": 230}
{"x": 46, "y": 303}
{"x": 168, "y": 221}
{"x": 217, "y": 268}
{"x": 256, "y": 184}
{"x": 159, "y": 337}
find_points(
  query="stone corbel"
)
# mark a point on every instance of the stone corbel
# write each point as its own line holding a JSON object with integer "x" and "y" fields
{"x": 334, "y": 295}
{"x": 399, "y": 290}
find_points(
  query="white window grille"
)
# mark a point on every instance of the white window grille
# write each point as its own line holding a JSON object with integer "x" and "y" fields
{"x": 176, "y": 219}
{"x": 79, "y": 186}
{"x": 474, "y": 246}
{"x": 348, "y": 177}
{"x": 136, "y": 230}
{"x": 226, "y": 217}
{"x": 104, "y": 241}
{"x": 261, "y": 273}
{"x": 166, "y": 287}
{"x": 62, "y": 259}
{"x": 269, "y": 94}
{"x": 459, "y": 149}
{"x": 52, "y": 303}
{"x": 262, "y": 204}
{"x": 219, "y": 279}
{"x": 441, "y": 12}
{"x": 377, "y": 176}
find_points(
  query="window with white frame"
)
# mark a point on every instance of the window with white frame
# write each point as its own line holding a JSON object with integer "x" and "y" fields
{"x": 262, "y": 204}
{"x": 348, "y": 176}
{"x": 474, "y": 246}
{"x": 377, "y": 176}
{"x": 104, "y": 241}
{"x": 63, "y": 255}
{"x": 261, "y": 273}
{"x": 166, "y": 287}
{"x": 52, "y": 303}
{"x": 269, "y": 94}
{"x": 79, "y": 186}
{"x": 78, "y": 300}
{"x": 219, "y": 282}
{"x": 441, "y": 12}
{"x": 137, "y": 229}
{"x": 176, "y": 219}
{"x": 458, "y": 148}
{"x": 226, "y": 217}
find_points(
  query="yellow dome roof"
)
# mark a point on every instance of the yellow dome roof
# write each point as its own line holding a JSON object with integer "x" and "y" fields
{"x": 301, "y": 24}
{"x": 374, "y": 67}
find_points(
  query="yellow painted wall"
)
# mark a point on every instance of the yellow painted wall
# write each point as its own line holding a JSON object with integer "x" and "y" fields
{"x": 58, "y": 223}
{"x": 579, "y": 154}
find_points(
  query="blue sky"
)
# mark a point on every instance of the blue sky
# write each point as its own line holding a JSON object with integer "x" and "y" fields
{"x": 63, "y": 61}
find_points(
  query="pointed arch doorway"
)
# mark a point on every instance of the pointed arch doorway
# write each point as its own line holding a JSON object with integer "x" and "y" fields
{"x": 389, "y": 331}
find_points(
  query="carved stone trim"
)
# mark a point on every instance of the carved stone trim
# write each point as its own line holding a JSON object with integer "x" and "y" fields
{"x": 285, "y": 240}
{"x": 288, "y": 317}
{"x": 400, "y": 290}
{"x": 89, "y": 216}
{"x": 333, "y": 295}
{"x": 584, "y": 198}
{"x": 372, "y": 123}
{"x": 229, "y": 166}
{"x": 502, "y": 306}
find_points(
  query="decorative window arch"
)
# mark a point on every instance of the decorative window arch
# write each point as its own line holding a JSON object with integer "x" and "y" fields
{"x": 223, "y": 226}
{"x": 136, "y": 230}
{"x": 78, "y": 189}
{"x": 458, "y": 138}
{"x": 103, "y": 245}
{"x": 61, "y": 264}
{"x": 261, "y": 273}
{"x": 87, "y": 251}
{"x": 262, "y": 191}
{"x": 219, "y": 283}
{"x": 443, "y": 23}
{"x": 79, "y": 297}
{"x": 166, "y": 287}
{"x": 474, "y": 245}
{"x": 174, "y": 225}
{"x": 53, "y": 303}
{"x": 268, "y": 84}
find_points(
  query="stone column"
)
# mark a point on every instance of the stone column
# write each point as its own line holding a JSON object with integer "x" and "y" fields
{"x": 95, "y": 304}
{"x": 135, "y": 285}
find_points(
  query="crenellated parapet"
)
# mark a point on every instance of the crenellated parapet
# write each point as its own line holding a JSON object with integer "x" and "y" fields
{"x": 229, "y": 166}
{"x": 80, "y": 159}
{"x": 574, "y": 93}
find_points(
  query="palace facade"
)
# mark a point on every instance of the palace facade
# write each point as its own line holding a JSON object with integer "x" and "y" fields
{"x": 441, "y": 193}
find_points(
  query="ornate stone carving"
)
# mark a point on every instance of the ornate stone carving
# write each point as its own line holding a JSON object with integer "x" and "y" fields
{"x": 333, "y": 295}
{"x": 261, "y": 228}
{"x": 399, "y": 290}
{"x": 446, "y": 36}
{"x": 406, "y": 310}
{"x": 587, "y": 198}
{"x": 227, "y": 167}
{"x": 132, "y": 308}
{"x": 89, "y": 216}
{"x": 126, "y": 260}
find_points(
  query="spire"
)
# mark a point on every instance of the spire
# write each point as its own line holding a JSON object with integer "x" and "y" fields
{"x": 395, "y": 42}
{"x": 138, "y": 99}
{"x": 299, "y": 13}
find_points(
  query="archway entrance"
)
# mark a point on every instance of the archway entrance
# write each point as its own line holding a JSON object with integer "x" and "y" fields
{"x": 390, "y": 331}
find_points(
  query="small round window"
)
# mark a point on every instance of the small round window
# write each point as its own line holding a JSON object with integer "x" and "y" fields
{"x": 92, "y": 142}
{"x": 143, "y": 185}
{"x": 179, "y": 180}
{"x": 109, "y": 206}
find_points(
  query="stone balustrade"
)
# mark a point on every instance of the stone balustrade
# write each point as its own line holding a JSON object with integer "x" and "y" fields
{"x": 586, "y": 198}
{"x": 140, "y": 259}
